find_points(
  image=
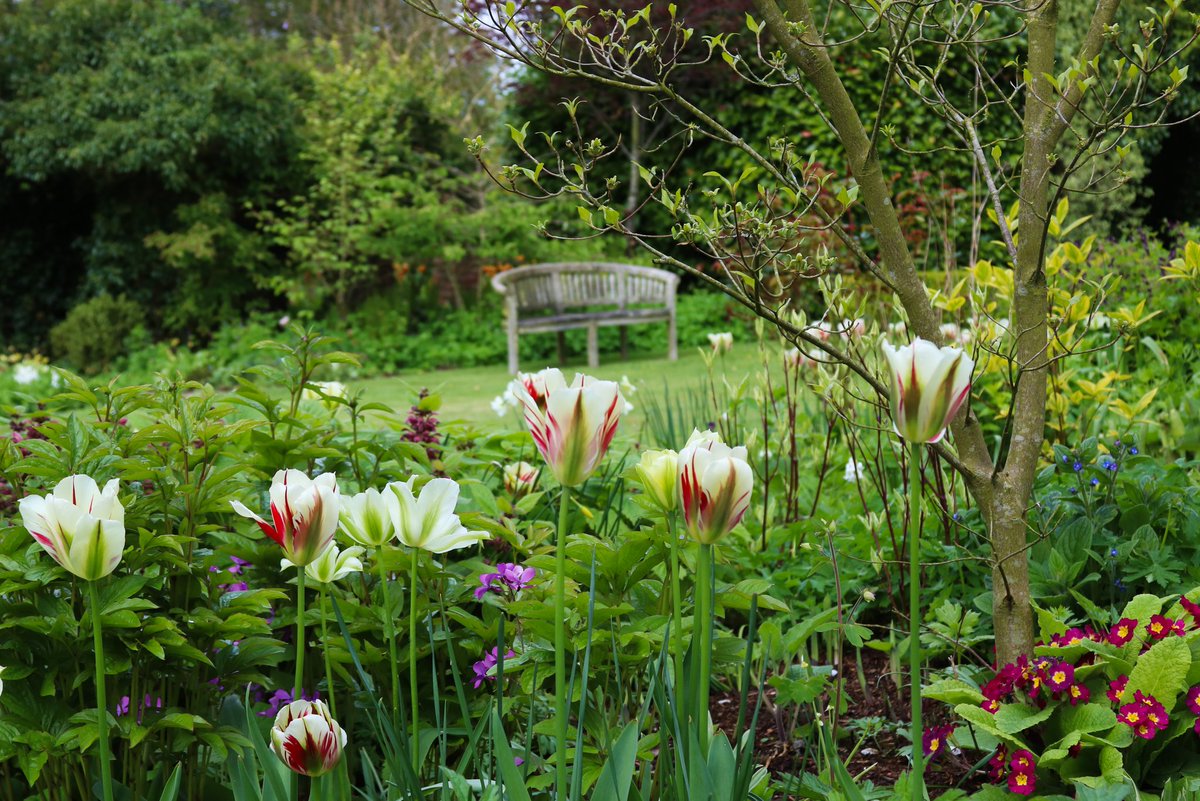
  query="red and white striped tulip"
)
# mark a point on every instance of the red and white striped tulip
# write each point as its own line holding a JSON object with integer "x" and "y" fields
{"x": 304, "y": 514}
{"x": 572, "y": 426}
{"x": 520, "y": 478}
{"x": 81, "y": 526}
{"x": 307, "y": 739}
{"x": 929, "y": 385}
{"x": 715, "y": 482}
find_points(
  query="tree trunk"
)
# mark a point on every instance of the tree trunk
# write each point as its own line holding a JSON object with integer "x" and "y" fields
{"x": 1012, "y": 611}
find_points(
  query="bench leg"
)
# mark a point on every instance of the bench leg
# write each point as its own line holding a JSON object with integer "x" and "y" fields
{"x": 513, "y": 362}
{"x": 562, "y": 349}
{"x": 624, "y": 343}
{"x": 593, "y": 347}
{"x": 672, "y": 339}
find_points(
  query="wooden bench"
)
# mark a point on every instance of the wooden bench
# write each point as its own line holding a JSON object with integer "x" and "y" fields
{"x": 559, "y": 297}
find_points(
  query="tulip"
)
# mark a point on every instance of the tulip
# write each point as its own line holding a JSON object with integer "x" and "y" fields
{"x": 332, "y": 564}
{"x": 929, "y": 386}
{"x": 658, "y": 472}
{"x": 721, "y": 342}
{"x": 304, "y": 514}
{"x": 520, "y": 478}
{"x": 427, "y": 521}
{"x": 83, "y": 528}
{"x": 715, "y": 481}
{"x": 80, "y": 526}
{"x": 796, "y": 358}
{"x": 572, "y": 426}
{"x": 1, "y": 681}
{"x": 366, "y": 518}
{"x": 326, "y": 392}
{"x": 307, "y": 739}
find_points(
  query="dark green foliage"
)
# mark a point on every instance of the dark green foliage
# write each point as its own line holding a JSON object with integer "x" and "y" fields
{"x": 95, "y": 332}
{"x": 126, "y": 120}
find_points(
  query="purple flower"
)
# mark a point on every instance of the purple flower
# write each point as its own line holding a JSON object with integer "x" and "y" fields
{"x": 483, "y": 668}
{"x": 509, "y": 579}
{"x": 123, "y": 706}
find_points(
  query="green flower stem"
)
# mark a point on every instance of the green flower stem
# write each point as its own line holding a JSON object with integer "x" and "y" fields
{"x": 299, "y": 683}
{"x": 101, "y": 702}
{"x": 676, "y": 600}
{"x": 914, "y": 616}
{"x": 389, "y": 632}
{"x": 702, "y": 627}
{"x": 325, "y": 653}
{"x": 412, "y": 663}
{"x": 561, "y": 727}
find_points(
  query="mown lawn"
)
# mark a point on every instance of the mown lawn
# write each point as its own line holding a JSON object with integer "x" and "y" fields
{"x": 467, "y": 394}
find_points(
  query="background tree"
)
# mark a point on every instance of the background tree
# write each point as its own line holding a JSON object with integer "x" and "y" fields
{"x": 1070, "y": 108}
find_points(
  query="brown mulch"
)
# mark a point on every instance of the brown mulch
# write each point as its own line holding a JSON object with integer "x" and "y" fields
{"x": 878, "y": 760}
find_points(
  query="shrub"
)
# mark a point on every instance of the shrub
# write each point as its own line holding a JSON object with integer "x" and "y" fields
{"x": 1091, "y": 708}
{"x": 95, "y": 332}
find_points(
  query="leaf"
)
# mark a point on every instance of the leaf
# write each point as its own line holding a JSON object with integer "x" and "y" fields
{"x": 1088, "y": 718}
{"x": 982, "y": 719}
{"x": 952, "y": 691}
{"x": 617, "y": 774}
{"x": 1012, "y": 718}
{"x": 1162, "y": 671}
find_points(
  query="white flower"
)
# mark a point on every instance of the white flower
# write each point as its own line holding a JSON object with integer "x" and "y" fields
{"x": 929, "y": 385}
{"x": 26, "y": 373}
{"x": 79, "y": 525}
{"x": 304, "y": 514}
{"x": 427, "y": 521}
{"x": 307, "y": 739}
{"x": 721, "y": 342}
{"x": 715, "y": 481}
{"x": 331, "y": 565}
{"x": 854, "y": 470}
{"x": 366, "y": 519}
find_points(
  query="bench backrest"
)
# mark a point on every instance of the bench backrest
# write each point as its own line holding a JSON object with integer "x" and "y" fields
{"x": 567, "y": 285}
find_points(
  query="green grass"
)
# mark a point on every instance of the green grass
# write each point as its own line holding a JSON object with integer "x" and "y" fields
{"x": 467, "y": 394}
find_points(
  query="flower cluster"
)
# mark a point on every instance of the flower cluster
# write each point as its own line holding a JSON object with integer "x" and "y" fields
{"x": 509, "y": 579}
{"x": 484, "y": 667}
{"x": 1022, "y": 776}
{"x": 1145, "y": 715}
{"x": 422, "y": 425}
{"x": 1056, "y": 677}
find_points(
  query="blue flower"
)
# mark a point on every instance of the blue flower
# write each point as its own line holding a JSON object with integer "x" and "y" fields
{"x": 1117, "y": 443}
{"x": 1073, "y": 490}
{"x": 1095, "y": 482}
{"x": 1133, "y": 450}
{"x": 956, "y": 516}
{"x": 1114, "y": 553}
{"x": 1078, "y": 467}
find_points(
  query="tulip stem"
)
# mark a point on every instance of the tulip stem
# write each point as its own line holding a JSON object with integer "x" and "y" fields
{"x": 676, "y": 600}
{"x": 325, "y": 653}
{"x": 561, "y": 727}
{"x": 412, "y": 664}
{"x": 101, "y": 702}
{"x": 389, "y": 632}
{"x": 703, "y": 628}
{"x": 299, "y": 684}
{"x": 914, "y": 617}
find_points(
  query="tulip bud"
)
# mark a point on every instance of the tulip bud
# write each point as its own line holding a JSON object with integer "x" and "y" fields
{"x": 80, "y": 526}
{"x": 715, "y": 482}
{"x": 929, "y": 384}
{"x": 427, "y": 521}
{"x": 519, "y": 478}
{"x": 721, "y": 342}
{"x": 572, "y": 426}
{"x": 365, "y": 518}
{"x": 307, "y": 739}
{"x": 304, "y": 514}
{"x": 658, "y": 472}
{"x": 331, "y": 565}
